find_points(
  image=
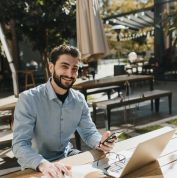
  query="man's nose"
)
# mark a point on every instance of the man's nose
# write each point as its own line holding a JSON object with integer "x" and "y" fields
{"x": 69, "y": 73}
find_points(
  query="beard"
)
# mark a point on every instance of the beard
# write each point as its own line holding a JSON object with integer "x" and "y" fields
{"x": 58, "y": 80}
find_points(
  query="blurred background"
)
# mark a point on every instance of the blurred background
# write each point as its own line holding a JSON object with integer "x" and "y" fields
{"x": 31, "y": 28}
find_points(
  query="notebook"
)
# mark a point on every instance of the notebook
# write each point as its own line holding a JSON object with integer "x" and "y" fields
{"x": 146, "y": 152}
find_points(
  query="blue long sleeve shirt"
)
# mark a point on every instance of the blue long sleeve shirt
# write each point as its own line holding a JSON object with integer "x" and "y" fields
{"x": 43, "y": 125}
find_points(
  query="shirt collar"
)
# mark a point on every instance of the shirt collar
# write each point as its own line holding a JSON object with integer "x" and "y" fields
{"x": 52, "y": 95}
{"x": 50, "y": 91}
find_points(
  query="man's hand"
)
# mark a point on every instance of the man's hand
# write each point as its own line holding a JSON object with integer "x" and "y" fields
{"x": 54, "y": 170}
{"x": 106, "y": 147}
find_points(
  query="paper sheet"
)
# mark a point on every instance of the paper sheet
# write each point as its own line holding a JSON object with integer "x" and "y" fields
{"x": 82, "y": 171}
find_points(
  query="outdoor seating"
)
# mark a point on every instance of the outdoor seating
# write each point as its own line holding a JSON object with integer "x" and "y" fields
{"x": 7, "y": 105}
{"x": 113, "y": 81}
{"x": 108, "y": 90}
{"x": 108, "y": 105}
{"x": 7, "y": 114}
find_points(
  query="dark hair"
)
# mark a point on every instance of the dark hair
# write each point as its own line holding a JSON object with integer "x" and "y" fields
{"x": 63, "y": 49}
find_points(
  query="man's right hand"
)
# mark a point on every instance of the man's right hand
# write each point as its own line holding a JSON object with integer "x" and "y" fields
{"x": 54, "y": 170}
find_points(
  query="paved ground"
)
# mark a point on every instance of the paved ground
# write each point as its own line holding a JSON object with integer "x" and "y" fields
{"x": 136, "y": 117}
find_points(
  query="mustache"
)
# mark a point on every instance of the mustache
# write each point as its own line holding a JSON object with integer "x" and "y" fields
{"x": 64, "y": 76}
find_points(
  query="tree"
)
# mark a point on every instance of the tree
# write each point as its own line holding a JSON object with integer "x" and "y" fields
{"x": 46, "y": 23}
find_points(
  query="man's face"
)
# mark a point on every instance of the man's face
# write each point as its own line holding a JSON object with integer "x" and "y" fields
{"x": 65, "y": 71}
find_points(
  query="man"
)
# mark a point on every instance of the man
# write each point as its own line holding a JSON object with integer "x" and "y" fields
{"x": 46, "y": 117}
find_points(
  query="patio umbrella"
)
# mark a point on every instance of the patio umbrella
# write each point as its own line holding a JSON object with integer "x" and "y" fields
{"x": 91, "y": 38}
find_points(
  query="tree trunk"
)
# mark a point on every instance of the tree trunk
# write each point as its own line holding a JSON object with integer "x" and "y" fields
{"x": 15, "y": 47}
{"x": 45, "y": 65}
{"x": 158, "y": 32}
{"x": 45, "y": 57}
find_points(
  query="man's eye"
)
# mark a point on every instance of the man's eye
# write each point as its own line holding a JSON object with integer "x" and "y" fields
{"x": 65, "y": 67}
{"x": 75, "y": 69}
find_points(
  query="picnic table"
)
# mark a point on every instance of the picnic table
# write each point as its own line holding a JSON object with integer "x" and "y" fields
{"x": 165, "y": 166}
{"x": 8, "y": 103}
{"x": 114, "y": 80}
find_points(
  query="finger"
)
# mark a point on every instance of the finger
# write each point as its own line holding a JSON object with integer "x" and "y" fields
{"x": 105, "y": 147}
{"x": 64, "y": 169}
{"x": 53, "y": 172}
{"x": 110, "y": 145}
{"x": 68, "y": 170}
{"x": 49, "y": 174}
{"x": 68, "y": 167}
{"x": 105, "y": 135}
{"x": 60, "y": 175}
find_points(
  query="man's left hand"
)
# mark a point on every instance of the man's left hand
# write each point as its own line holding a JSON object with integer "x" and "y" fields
{"x": 106, "y": 147}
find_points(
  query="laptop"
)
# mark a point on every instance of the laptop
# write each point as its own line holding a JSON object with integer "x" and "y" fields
{"x": 146, "y": 152}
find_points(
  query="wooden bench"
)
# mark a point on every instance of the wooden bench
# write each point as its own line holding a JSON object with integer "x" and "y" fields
{"x": 7, "y": 105}
{"x": 107, "y": 90}
{"x": 108, "y": 105}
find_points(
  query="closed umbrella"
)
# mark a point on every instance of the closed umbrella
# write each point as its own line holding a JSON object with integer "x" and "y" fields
{"x": 91, "y": 38}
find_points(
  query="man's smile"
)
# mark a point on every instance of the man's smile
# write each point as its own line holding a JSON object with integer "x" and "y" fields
{"x": 67, "y": 78}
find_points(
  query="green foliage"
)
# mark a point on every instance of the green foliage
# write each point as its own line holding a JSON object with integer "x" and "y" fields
{"x": 46, "y": 23}
{"x": 174, "y": 122}
{"x": 148, "y": 129}
{"x": 124, "y": 136}
{"x": 11, "y": 9}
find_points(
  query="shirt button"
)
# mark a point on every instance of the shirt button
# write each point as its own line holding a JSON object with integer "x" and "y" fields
{"x": 61, "y": 119}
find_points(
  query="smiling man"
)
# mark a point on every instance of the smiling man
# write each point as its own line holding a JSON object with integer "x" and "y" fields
{"x": 46, "y": 117}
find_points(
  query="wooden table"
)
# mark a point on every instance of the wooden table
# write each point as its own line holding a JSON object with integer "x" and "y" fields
{"x": 113, "y": 80}
{"x": 166, "y": 165}
{"x": 8, "y": 103}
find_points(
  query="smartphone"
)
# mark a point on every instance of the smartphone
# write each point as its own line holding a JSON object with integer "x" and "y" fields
{"x": 113, "y": 137}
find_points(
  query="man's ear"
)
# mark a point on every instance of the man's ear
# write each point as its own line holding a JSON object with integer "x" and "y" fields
{"x": 51, "y": 67}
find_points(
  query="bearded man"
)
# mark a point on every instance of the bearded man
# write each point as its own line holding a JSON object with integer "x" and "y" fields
{"x": 46, "y": 116}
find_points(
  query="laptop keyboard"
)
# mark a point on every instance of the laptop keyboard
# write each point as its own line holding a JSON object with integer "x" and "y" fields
{"x": 116, "y": 167}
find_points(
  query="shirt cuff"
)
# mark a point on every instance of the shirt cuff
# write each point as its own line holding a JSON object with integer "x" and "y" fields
{"x": 42, "y": 161}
